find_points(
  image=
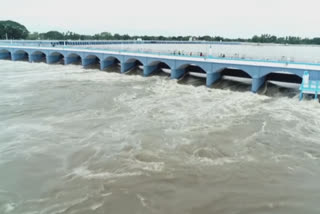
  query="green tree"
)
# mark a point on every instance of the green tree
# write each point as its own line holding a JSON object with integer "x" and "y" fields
{"x": 316, "y": 40}
{"x": 205, "y": 38}
{"x": 33, "y": 36}
{"x": 106, "y": 35}
{"x": 116, "y": 36}
{"x": 12, "y": 30}
{"x": 53, "y": 35}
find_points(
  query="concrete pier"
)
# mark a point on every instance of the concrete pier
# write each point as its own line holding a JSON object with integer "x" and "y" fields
{"x": 212, "y": 77}
{"x": 149, "y": 69}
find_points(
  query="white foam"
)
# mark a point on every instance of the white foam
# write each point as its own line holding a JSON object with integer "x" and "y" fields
{"x": 309, "y": 155}
{"x": 221, "y": 161}
{"x": 142, "y": 200}
{"x": 9, "y": 207}
{"x": 64, "y": 206}
{"x": 151, "y": 166}
{"x": 106, "y": 194}
{"x": 87, "y": 174}
{"x": 96, "y": 206}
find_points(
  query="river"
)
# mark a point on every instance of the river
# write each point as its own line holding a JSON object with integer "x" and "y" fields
{"x": 83, "y": 141}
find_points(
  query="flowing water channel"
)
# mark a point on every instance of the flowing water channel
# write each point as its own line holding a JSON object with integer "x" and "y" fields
{"x": 82, "y": 141}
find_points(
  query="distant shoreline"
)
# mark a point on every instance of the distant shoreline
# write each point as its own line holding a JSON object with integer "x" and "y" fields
{"x": 16, "y": 31}
{"x": 119, "y": 42}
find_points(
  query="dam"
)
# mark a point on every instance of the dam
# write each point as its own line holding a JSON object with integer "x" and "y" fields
{"x": 208, "y": 67}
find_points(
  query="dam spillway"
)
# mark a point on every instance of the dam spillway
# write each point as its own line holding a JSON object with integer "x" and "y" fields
{"x": 211, "y": 68}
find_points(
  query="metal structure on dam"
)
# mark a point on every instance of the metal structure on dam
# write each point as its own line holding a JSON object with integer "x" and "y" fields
{"x": 257, "y": 70}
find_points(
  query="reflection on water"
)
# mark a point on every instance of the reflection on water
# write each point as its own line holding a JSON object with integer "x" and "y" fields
{"x": 79, "y": 140}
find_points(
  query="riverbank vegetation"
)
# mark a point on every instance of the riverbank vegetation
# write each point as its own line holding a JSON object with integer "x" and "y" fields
{"x": 14, "y": 30}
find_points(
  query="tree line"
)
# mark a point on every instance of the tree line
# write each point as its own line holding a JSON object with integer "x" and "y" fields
{"x": 14, "y": 30}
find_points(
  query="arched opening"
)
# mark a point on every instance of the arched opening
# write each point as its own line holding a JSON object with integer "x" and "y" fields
{"x": 192, "y": 74}
{"x": 111, "y": 64}
{"x": 74, "y": 59}
{"x": 234, "y": 79}
{"x": 235, "y": 74}
{"x": 196, "y": 71}
{"x": 91, "y": 61}
{"x": 280, "y": 83}
{"x": 55, "y": 57}
{"x": 38, "y": 56}
{"x": 132, "y": 66}
{"x": 283, "y": 77}
{"x": 20, "y": 55}
{"x": 5, "y": 54}
{"x": 159, "y": 68}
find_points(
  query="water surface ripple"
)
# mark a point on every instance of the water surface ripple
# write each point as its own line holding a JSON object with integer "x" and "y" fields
{"x": 83, "y": 141}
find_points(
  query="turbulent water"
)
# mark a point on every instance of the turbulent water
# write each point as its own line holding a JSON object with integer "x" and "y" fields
{"x": 83, "y": 141}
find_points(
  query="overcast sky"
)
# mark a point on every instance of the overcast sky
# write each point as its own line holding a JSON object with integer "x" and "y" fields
{"x": 228, "y": 18}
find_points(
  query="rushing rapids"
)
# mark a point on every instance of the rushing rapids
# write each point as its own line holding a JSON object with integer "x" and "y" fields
{"x": 77, "y": 140}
